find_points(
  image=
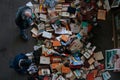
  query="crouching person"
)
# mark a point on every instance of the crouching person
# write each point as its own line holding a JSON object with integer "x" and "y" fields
{"x": 20, "y": 63}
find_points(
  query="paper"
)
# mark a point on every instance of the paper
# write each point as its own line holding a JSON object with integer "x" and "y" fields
{"x": 29, "y": 4}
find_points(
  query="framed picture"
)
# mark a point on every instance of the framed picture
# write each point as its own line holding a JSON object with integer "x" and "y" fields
{"x": 112, "y": 59}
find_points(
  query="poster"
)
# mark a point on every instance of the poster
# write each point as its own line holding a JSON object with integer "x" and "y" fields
{"x": 112, "y": 59}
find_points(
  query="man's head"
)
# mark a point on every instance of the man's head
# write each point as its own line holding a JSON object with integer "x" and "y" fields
{"x": 28, "y": 13}
{"x": 25, "y": 63}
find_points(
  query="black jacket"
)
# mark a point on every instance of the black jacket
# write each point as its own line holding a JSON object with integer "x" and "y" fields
{"x": 21, "y": 20}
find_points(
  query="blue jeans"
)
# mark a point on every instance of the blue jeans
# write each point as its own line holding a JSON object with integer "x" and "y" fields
{"x": 22, "y": 32}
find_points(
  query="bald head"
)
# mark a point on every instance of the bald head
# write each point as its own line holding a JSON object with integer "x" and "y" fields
{"x": 28, "y": 13}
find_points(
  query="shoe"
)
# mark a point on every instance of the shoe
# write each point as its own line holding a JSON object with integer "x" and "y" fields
{"x": 24, "y": 37}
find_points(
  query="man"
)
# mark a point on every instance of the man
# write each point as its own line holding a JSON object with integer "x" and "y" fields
{"x": 24, "y": 20}
{"x": 20, "y": 63}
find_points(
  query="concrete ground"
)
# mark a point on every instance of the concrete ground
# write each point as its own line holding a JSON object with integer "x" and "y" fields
{"x": 11, "y": 44}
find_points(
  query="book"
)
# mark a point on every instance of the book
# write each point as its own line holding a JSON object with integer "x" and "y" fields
{"x": 91, "y": 60}
{"x": 54, "y": 65}
{"x": 87, "y": 55}
{"x": 56, "y": 43}
{"x": 98, "y": 55}
{"x": 76, "y": 45}
{"x": 65, "y": 14}
{"x": 44, "y": 60}
{"x": 43, "y": 17}
{"x": 101, "y": 15}
{"x": 34, "y": 31}
{"x": 106, "y": 75}
{"x": 60, "y": 78}
{"x": 46, "y": 34}
{"x": 70, "y": 76}
{"x": 65, "y": 37}
{"x": 77, "y": 73}
{"x": 45, "y": 71}
{"x": 36, "y": 8}
{"x": 65, "y": 69}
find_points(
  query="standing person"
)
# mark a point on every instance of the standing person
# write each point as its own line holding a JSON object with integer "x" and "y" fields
{"x": 24, "y": 20}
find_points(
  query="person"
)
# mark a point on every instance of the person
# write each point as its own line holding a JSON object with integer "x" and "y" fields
{"x": 24, "y": 20}
{"x": 20, "y": 63}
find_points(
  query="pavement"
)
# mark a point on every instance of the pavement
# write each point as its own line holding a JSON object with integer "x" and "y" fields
{"x": 11, "y": 44}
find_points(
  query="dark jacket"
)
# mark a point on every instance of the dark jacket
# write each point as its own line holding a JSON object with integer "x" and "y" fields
{"x": 21, "y": 20}
{"x": 16, "y": 63}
